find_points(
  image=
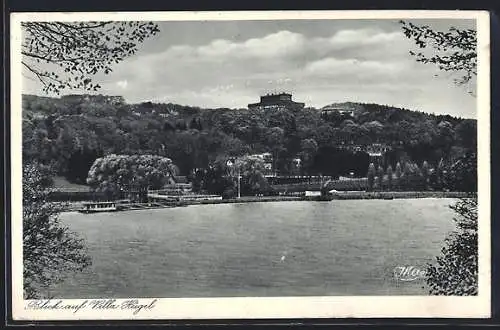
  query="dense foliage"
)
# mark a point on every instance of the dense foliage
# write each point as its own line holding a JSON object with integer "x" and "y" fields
{"x": 456, "y": 269}
{"x": 114, "y": 174}
{"x": 453, "y": 50}
{"x": 456, "y": 272}
{"x": 64, "y": 55}
{"x": 72, "y": 131}
{"x": 371, "y": 176}
{"x": 50, "y": 250}
{"x": 221, "y": 177}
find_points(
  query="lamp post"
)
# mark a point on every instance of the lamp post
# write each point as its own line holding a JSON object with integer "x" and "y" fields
{"x": 239, "y": 184}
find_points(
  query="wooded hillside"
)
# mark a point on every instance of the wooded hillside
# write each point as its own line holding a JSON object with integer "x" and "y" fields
{"x": 72, "y": 131}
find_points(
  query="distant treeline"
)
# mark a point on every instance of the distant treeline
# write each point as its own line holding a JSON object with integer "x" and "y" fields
{"x": 71, "y": 132}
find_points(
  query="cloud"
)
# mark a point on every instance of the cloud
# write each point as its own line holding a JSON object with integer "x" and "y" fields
{"x": 282, "y": 43}
{"x": 275, "y": 55}
{"x": 208, "y": 98}
{"x": 333, "y": 66}
{"x": 286, "y": 44}
{"x": 274, "y": 45}
{"x": 122, "y": 84}
{"x": 366, "y": 65}
{"x": 363, "y": 37}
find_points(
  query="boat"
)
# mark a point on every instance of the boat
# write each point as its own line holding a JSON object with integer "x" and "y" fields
{"x": 93, "y": 207}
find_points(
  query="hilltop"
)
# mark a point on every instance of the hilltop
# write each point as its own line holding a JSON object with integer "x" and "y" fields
{"x": 72, "y": 131}
{"x": 386, "y": 112}
{"x": 72, "y": 104}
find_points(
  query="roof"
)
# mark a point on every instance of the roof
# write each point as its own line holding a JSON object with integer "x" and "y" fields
{"x": 277, "y": 94}
{"x": 180, "y": 179}
{"x": 92, "y": 203}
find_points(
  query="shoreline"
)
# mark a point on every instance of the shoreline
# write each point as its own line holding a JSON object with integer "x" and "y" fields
{"x": 352, "y": 195}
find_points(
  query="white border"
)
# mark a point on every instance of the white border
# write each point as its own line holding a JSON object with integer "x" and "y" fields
{"x": 276, "y": 307}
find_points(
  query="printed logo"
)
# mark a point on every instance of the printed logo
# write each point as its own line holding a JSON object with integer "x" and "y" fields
{"x": 409, "y": 273}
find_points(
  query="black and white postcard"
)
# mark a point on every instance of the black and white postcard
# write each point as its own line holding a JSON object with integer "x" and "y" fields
{"x": 229, "y": 165}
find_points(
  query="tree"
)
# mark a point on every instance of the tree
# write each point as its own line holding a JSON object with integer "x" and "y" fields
{"x": 51, "y": 252}
{"x": 63, "y": 55}
{"x": 79, "y": 165}
{"x": 308, "y": 148}
{"x": 380, "y": 177}
{"x": 196, "y": 124}
{"x": 373, "y": 128}
{"x": 453, "y": 51}
{"x": 445, "y": 138}
{"x": 398, "y": 173}
{"x": 88, "y": 122}
{"x": 181, "y": 125}
{"x": 425, "y": 173}
{"x": 462, "y": 174}
{"x": 76, "y": 51}
{"x": 456, "y": 270}
{"x": 252, "y": 169}
{"x": 275, "y": 139}
{"x": 371, "y": 176}
{"x": 412, "y": 177}
{"x": 389, "y": 177}
{"x": 116, "y": 173}
{"x": 324, "y": 134}
{"x": 216, "y": 179}
{"x": 466, "y": 134}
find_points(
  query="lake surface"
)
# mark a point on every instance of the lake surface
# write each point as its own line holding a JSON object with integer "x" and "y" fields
{"x": 341, "y": 247}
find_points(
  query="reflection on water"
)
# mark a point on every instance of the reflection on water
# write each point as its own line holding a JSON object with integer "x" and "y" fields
{"x": 259, "y": 249}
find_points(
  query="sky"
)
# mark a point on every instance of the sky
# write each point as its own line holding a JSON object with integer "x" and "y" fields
{"x": 215, "y": 64}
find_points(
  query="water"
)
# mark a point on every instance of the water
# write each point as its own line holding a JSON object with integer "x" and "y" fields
{"x": 259, "y": 249}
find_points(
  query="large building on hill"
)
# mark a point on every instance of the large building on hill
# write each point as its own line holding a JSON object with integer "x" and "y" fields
{"x": 276, "y": 101}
